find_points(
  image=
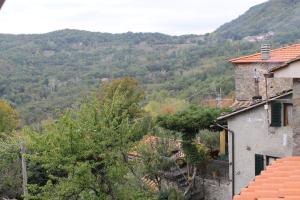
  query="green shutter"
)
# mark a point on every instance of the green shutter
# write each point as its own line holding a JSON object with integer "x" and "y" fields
{"x": 276, "y": 114}
{"x": 259, "y": 164}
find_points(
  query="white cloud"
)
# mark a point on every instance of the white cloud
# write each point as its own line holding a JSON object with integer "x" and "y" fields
{"x": 168, "y": 16}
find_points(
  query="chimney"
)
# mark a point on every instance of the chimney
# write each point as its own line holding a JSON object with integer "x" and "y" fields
{"x": 265, "y": 51}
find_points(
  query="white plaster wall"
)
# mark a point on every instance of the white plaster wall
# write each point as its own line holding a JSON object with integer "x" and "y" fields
{"x": 252, "y": 136}
{"x": 291, "y": 71}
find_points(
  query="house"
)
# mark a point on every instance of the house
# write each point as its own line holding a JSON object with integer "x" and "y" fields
{"x": 281, "y": 180}
{"x": 265, "y": 122}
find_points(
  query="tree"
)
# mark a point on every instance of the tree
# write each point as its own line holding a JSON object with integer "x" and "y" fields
{"x": 165, "y": 106}
{"x": 211, "y": 141}
{"x": 130, "y": 93}
{"x": 9, "y": 119}
{"x": 10, "y": 169}
{"x": 84, "y": 152}
{"x": 189, "y": 122}
{"x": 10, "y": 165}
{"x": 154, "y": 159}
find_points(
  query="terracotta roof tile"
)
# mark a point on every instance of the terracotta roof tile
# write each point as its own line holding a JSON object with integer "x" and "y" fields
{"x": 280, "y": 55}
{"x": 280, "y": 181}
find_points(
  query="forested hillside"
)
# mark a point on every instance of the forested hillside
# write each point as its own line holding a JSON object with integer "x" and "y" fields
{"x": 280, "y": 17}
{"x": 48, "y": 72}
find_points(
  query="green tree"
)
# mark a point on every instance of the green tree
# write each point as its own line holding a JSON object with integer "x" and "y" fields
{"x": 189, "y": 122}
{"x": 10, "y": 169}
{"x": 9, "y": 119}
{"x": 84, "y": 152}
{"x": 130, "y": 93}
{"x": 154, "y": 159}
{"x": 10, "y": 165}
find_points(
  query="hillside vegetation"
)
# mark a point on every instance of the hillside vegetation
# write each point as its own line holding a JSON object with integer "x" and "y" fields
{"x": 45, "y": 73}
{"x": 279, "y": 16}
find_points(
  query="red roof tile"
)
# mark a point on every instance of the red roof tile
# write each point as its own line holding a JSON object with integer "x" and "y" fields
{"x": 281, "y": 180}
{"x": 281, "y": 55}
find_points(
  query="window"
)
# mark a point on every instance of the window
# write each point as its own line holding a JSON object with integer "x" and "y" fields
{"x": 281, "y": 114}
{"x": 259, "y": 164}
{"x": 287, "y": 114}
{"x": 276, "y": 114}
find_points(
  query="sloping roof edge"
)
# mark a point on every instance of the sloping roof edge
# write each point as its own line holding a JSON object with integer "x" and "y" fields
{"x": 285, "y": 64}
{"x": 226, "y": 116}
{"x": 279, "y": 181}
{"x": 235, "y": 60}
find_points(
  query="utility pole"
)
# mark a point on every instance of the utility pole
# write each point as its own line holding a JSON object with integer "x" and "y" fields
{"x": 24, "y": 172}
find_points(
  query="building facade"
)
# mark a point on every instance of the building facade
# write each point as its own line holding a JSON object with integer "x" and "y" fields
{"x": 258, "y": 137}
{"x": 267, "y": 127}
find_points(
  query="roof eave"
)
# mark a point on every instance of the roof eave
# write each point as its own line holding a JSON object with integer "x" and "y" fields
{"x": 252, "y": 106}
{"x": 261, "y": 61}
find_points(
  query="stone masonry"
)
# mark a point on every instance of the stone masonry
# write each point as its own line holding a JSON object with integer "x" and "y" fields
{"x": 296, "y": 117}
{"x": 244, "y": 81}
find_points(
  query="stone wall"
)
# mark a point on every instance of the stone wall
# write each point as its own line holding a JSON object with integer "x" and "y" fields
{"x": 296, "y": 117}
{"x": 244, "y": 81}
{"x": 215, "y": 189}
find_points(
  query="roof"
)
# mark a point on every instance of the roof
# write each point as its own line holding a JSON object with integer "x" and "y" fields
{"x": 285, "y": 64}
{"x": 248, "y": 106}
{"x": 225, "y": 103}
{"x": 280, "y": 181}
{"x": 280, "y": 55}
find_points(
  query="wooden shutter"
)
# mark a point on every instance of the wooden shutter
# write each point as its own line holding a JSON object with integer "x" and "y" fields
{"x": 276, "y": 114}
{"x": 259, "y": 164}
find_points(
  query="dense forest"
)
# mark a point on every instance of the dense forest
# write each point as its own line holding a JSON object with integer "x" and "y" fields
{"x": 41, "y": 75}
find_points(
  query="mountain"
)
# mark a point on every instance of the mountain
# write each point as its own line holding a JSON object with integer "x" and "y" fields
{"x": 42, "y": 73}
{"x": 279, "y": 17}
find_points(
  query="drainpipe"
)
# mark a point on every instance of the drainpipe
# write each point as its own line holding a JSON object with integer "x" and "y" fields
{"x": 232, "y": 155}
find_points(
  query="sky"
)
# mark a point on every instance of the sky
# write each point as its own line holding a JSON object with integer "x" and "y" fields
{"x": 174, "y": 17}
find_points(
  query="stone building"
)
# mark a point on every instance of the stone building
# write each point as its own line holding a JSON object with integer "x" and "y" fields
{"x": 265, "y": 122}
{"x": 251, "y": 68}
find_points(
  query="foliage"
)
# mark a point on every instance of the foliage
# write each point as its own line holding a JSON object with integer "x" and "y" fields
{"x": 154, "y": 159}
{"x": 8, "y": 118}
{"x": 171, "y": 194}
{"x": 275, "y": 16}
{"x": 10, "y": 169}
{"x": 132, "y": 96}
{"x": 189, "y": 122}
{"x": 10, "y": 165}
{"x": 210, "y": 139}
{"x": 165, "y": 106}
{"x": 48, "y": 72}
{"x": 44, "y": 72}
{"x": 84, "y": 152}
